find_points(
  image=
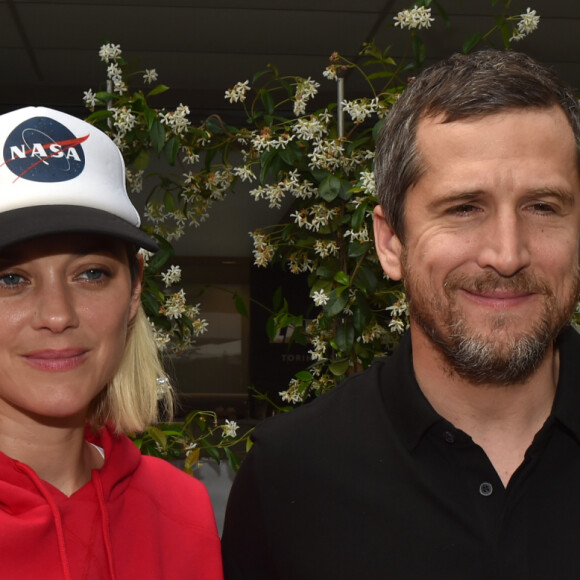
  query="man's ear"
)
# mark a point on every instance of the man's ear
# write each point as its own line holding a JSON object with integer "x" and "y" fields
{"x": 389, "y": 246}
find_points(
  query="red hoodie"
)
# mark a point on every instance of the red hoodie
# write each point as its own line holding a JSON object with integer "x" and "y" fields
{"x": 139, "y": 518}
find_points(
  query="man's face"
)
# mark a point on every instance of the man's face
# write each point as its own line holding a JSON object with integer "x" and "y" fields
{"x": 490, "y": 256}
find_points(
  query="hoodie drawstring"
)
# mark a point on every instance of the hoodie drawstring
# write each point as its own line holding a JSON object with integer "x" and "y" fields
{"x": 57, "y": 519}
{"x": 104, "y": 522}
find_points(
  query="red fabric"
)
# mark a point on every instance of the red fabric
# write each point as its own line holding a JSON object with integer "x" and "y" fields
{"x": 139, "y": 517}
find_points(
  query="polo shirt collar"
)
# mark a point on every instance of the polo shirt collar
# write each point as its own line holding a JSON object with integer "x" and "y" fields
{"x": 567, "y": 402}
{"x": 412, "y": 414}
{"x": 410, "y": 411}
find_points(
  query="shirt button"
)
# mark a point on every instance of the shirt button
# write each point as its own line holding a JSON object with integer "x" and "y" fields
{"x": 486, "y": 488}
{"x": 449, "y": 437}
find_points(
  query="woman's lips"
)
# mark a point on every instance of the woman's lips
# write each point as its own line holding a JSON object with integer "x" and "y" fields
{"x": 56, "y": 359}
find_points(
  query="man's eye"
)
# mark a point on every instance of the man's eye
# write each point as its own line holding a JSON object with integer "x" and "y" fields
{"x": 464, "y": 209}
{"x": 541, "y": 207}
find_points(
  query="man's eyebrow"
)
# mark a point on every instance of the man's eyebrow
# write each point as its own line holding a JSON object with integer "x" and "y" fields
{"x": 566, "y": 196}
{"x": 454, "y": 198}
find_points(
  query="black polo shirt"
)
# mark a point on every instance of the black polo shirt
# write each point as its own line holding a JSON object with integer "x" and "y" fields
{"x": 370, "y": 482}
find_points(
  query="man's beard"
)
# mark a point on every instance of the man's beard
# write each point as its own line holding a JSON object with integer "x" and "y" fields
{"x": 500, "y": 357}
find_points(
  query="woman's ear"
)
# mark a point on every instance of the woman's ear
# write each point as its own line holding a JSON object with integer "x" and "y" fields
{"x": 136, "y": 289}
{"x": 389, "y": 246}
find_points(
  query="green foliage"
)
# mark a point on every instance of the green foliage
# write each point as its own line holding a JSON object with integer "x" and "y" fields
{"x": 199, "y": 435}
{"x": 320, "y": 160}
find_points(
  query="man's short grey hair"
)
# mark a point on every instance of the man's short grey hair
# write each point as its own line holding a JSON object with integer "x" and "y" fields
{"x": 463, "y": 86}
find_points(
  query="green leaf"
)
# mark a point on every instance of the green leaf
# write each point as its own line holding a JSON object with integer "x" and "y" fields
{"x": 291, "y": 154}
{"x": 345, "y": 337}
{"x": 157, "y": 134}
{"x": 338, "y": 368}
{"x": 361, "y": 313}
{"x": 277, "y": 298}
{"x": 159, "y": 259}
{"x": 271, "y": 328}
{"x": 142, "y": 159}
{"x": 327, "y": 270}
{"x": 342, "y": 278}
{"x": 158, "y": 436}
{"x": 240, "y": 305}
{"x": 471, "y": 43}
{"x": 105, "y": 96}
{"x": 304, "y": 376}
{"x": 329, "y": 188}
{"x": 366, "y": 279}
{"x": 157, "y": 90}
{"x": 150, "y": 304}
{"x": 336, "y": 303}
{"x": 358, "y": 216}
{"x": 267, "y": 101}
{"x": 233, "y": 460}
{"x": 172, "y": 149}
{"x": 213, "y": 125}
{"x": 98, "y": 116}
{"x": 418, "y": 51}
{"x": 169, "y": 202}
{"x": 356, "y": 249}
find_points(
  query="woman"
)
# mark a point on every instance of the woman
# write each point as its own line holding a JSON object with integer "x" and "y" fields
{"x": 78, "y": 369}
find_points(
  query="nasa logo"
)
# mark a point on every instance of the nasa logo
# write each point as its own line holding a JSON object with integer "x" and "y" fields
{"x": 42, "y": 149}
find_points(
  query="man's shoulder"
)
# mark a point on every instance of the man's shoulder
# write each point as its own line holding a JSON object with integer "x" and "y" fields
{"x": 358, "y": 398}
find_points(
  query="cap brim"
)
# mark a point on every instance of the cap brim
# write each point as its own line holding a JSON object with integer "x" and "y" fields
{"x": 27, "y": 223}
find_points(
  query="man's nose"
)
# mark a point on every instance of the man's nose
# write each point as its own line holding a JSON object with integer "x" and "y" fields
{"x": 504, "y": 244}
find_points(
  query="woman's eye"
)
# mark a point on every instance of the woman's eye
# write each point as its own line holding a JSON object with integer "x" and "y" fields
{"x": 93, "y": 274}
{"x": 10, "y": 280}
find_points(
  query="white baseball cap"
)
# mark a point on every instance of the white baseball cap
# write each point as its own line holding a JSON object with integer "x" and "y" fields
{"x": 59, "y": 174}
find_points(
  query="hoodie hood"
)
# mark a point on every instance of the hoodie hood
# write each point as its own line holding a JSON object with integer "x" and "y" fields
{"x": 62, "y": 535}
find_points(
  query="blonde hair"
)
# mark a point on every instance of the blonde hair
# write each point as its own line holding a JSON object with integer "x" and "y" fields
{"x": 140, "y": 391}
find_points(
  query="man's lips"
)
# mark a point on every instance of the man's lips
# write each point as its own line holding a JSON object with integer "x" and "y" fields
{"x": 498, "y": 298}
{"x": 56, "y": 359}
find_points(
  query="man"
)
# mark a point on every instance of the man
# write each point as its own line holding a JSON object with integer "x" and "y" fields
{"x": 459, "y": 456}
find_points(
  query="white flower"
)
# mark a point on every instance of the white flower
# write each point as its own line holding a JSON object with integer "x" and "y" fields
{"x": 90, "y": 99}
{"x": 124, "y": 119}
{"x": 416, "y": 17}
{"x": 292, "y": 395}
{"x": 367, "y": 180}
{"x": 244, "y": 173}
{"x": 114, "y": 72}
{"x": 189, "y": 156}
{"x": 174, "y": 306}
{"x": 238, "y": 93}
{"x": 330, "y": 73}
{"x": 146, "y": 255}
{"x": 309, "y": 128}
{"x": 230, "y": 428}
{"x": 305, "y": 90}
{"x": 397, "y": 325}
{"x": 325, "y": 248}
{"x": 134, "y": 180}
{"x": 360, "y": 109}
{"x": 177, "y": 120}
{"x": 150, "y": 75}
{"x": 172, "y": 276}
{"x": 527, "y": 24}
{"x": 109, "y": 52}
{"x": 320, "y": 298}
